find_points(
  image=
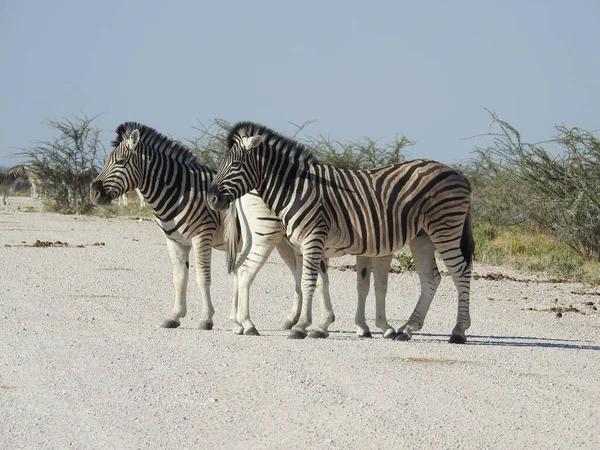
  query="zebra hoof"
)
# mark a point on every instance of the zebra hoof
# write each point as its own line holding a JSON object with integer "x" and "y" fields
{"x": 391, "y": 335}
{"x": 402, "y": 337}
{"x": 251, "y": 332}
{"x": 287, "y": 325}
{"x": 365, "y": 335}
{"x": 238, "y": 329}
{"x": 457, "y": 339}
{"x": 297, "y": 334}
{"x": 170, "y": 323}
{"x": 318, "y": 334}
{"x": 205, "y": 325}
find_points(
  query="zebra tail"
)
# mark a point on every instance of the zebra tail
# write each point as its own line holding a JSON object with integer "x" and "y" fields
{"x": 231, "y": 235}
{"x": 236, "y": 227}
{"x": 467, "y": 243}
{"x": 246, "y": 235}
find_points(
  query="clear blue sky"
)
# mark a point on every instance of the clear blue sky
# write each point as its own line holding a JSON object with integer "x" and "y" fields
{"x": 424, "y": 69}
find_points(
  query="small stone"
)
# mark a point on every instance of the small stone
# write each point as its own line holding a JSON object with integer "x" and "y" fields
{"x": 559, "y": 315}
{"x": 213, "y": 400}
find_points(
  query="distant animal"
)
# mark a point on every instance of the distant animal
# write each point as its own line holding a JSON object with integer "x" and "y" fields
{"x": 372, "y": 213}
{"x": 12, "y": 177}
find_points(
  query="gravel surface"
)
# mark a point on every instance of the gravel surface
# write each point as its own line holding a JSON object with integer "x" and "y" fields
{"x": 84, "y": 364}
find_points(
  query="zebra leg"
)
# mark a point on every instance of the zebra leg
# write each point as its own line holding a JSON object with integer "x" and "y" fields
{"x": 423, "y": 253}
{"x": 179, "y": 259}
{"x": 327, "y": 316}
{"x": 203, "y": 251}
{"x": 246, "y": 274}
{"x": 381, "y": 272}
{"x": 236, "y": 327}
{"x": 363, "y": 281}
{"x": 461, "y": 275}
{"x": 312, "y": 255}
{"x": 294, "y": 262}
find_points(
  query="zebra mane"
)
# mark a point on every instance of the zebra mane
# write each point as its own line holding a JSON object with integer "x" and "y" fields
{"x": 273, "y": 138}
{"x": 158, "y": 141}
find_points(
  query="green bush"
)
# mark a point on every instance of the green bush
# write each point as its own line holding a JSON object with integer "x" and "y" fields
{"x": 63, "y": 167}
{"x": 518, "y": 183}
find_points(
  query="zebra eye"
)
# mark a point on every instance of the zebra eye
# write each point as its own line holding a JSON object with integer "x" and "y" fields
{"x": 236, "y": 164}
{"x": 120, "y": 160}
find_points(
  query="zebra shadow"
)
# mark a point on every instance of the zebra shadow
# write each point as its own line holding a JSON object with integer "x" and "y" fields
{"x": 520, "y": 341}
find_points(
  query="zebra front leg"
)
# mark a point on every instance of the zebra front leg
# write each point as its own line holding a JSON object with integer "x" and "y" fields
{"x": 312, "y": 254}
{"x": 327, "y": 316}
{"x": 381, "y": 272}
{"x": 236, "y": 327}
{"x": 203, "y": 251}
{"x": 293, "y": 260}
{"x": 423, "y": 253}
{"x": 246, "y": 274}
{"x": 363, "y": 282}
{"x": 179, "y": 255}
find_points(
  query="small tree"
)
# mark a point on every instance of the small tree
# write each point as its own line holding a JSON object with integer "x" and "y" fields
{"x": 63, "y": 164}
{"x": 211, "y": 145}
{"x": 556, "y": 192}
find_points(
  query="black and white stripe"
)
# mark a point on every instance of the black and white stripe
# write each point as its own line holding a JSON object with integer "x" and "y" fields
{"x": 174, "y": 185}
{"x": 373, "y": 213}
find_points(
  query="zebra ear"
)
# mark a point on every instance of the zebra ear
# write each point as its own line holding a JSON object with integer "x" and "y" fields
{"x": 133, "y": 139}
{"x": 252, "y": 142}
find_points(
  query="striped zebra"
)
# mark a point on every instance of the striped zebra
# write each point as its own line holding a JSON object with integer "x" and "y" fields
{"x": 174, "y": 185}
{"x": 372, "y": 213}
{"x": 12, "y": 177}
{"x": 255, "y": 231}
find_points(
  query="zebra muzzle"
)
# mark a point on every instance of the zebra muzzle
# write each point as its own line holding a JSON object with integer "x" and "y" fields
{"x": 216, "y": 200}
{"x": 98, "y": 194}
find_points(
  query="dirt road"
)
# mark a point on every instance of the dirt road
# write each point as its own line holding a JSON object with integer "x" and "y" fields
{"x": 83, "y": 363}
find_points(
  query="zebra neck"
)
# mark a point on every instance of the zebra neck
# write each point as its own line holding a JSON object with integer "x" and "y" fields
{"x": 282, "y": 175}
{"x": 171, "y": 186}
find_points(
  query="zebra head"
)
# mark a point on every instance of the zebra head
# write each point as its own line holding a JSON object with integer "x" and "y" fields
{"x": 238, "y": 173}
{"x": 121, "y": 172}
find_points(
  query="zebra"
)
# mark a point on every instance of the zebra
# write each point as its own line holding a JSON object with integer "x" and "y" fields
{"x": 174, "y": 185}
{"x": 12, "y": 177}
{"x": 373, "y": 213}
{"x": 273, "y": 229}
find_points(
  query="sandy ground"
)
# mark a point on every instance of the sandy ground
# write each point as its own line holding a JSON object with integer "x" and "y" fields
{"x": 84, "y": 364}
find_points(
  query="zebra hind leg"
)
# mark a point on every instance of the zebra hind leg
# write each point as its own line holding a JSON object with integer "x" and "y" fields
{"x": 203, "y": 251}
{"x": 320, "y": 330}
{"x": 363, "y": 281}
{"x": 294, "y": 262}
{"x": 460, "y": 270}
{"x": 423, "y": 252}
{"x": 381, "y": 271}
